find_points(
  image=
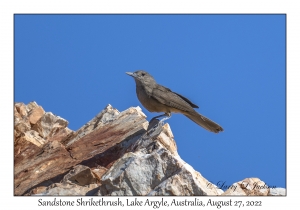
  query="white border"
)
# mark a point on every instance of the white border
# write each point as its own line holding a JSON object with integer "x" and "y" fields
{"x": 9, "y": 8}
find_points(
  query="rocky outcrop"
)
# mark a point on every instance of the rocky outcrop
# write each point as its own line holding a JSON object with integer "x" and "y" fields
{"x": 277, "y": 191}
{"x": 253, "y": 186}
{"x": 249, "y": 186}
{"x": 113, "y": 154}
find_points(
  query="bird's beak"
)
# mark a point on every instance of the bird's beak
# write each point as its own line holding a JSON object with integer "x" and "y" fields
{"x": 131, "y": 74}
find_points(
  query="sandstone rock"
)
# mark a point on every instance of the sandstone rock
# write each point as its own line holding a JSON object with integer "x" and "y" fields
{"x": 39, "y": 164}
{"x": 101, "y": 118}
{"x": 21, "y": 122}
{"x": 17, "y": 115}
{"x": 42, "y": 187}
{"x": 68, "y": 186}
{"x": 69, "y": 189}
{"x": 22, "y": 125}
{"x": 95, "y": 141}
{"x": 110, "y": 155}
{"x": 49, "y": 125}
{"x": 277, "y": 191}
{"x": 153, "y": 171}
{"x": 99, "y": 172}
{"x": 185, "y": 183}
{"x": 33, "y": 137}
{"x": 80, "y": 175}
{"x": 248, "y": 186}
{"x": 35, "y": 114}
{"x": 32, "y": 105}
{"x": 61, "y": 135}
{"x": 107, "y": 115}
{"x": 24, "y": 150}
{"x": 54, "y": 158}
{"x": 167, "y": 139}
{"x": 21, "y": 109}
{"x": 37, "y": 190}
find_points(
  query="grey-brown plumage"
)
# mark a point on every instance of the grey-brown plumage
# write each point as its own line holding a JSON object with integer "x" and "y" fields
{"x": 157, "y": 98}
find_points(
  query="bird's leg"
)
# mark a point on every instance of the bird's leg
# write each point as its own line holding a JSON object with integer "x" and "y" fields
{"x": 154, "y": 128}
{"x": 167, "y": 114}
{"x": 155, "y": 125}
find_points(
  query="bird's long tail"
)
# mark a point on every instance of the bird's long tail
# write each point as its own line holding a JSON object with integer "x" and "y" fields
{"x": 204, "y": 122}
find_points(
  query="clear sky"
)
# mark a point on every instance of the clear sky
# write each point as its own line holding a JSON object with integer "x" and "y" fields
{"x": 232, "y": 66}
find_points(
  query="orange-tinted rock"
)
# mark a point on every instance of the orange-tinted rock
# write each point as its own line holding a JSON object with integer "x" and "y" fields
{"x": 35, "y": 114}
{"x": 104, "y": 137}
{"x": 38, "y": 159}
{"x": 49, "y": 125}
{"x": 33, "y": 137}
{"x": 22, "y": 125}
{"x": 61, "y": 135}
{"x": 80, "y": 175}
{"x": 21, "y": 109}
{"x": 99, "y": 172}
{"x": 39, "y": 164}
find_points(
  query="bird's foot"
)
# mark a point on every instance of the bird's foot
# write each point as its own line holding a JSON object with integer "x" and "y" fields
{"x": 155, "y": 125}
{"x": 166, "y": 115}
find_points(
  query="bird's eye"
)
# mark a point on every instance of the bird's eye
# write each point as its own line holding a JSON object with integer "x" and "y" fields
{"x": 143, "y": 74}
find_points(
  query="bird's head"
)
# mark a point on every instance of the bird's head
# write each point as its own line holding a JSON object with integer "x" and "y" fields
{"x": 142, "y": 77}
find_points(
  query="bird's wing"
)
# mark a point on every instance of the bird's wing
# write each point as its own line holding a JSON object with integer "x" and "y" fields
{"x": 166, "y": 96}
{"x": 187, "y": 100}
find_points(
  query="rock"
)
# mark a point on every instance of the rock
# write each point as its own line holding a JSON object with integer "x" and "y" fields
{"x": 69, "y": 189}
{"x": 99, "y": 172}
{"x": 33, "y": 137}
{"x": 61, "y": 135}
{"x": 37, "y": 190}
{"x": 24, "y": 150}
{"x": 21, "y": 109}
{"x": 95, "y": 141}
{"x": 80, "y": 175}
{"x": 115, "y": 153}
{"x": 21, "y": 122}
{"x": 248, "y": 186}
{"x": 17, "y": 116}
{"x": 32, "y": 105}
{"x": 35, "y": 114}
{"x": 277, "y": 191}
{"x": 153, "y": 171}
{"x": 22, "y": 125}
{"x": 34, "y": 164}
{"x": 104, "y": 117}
{"x": 185, "y": 183}
{"x": 167, "y": 139}
{"x": 42, "y": 187}
{"x": 49, "y": 125}
{"x": 54, "y": 158}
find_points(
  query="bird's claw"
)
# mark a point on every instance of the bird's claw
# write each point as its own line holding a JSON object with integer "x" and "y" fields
{"x": 155, "y": 125}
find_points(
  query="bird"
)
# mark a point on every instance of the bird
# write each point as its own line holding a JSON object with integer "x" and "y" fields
{"x": 157, "y": 98}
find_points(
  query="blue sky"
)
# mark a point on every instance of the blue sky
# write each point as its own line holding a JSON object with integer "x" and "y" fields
{"x": 232, "y": 66}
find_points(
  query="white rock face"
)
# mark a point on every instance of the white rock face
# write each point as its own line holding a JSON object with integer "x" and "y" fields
{"x": 277, "y": 191}
{"x": 154, "y": 170}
